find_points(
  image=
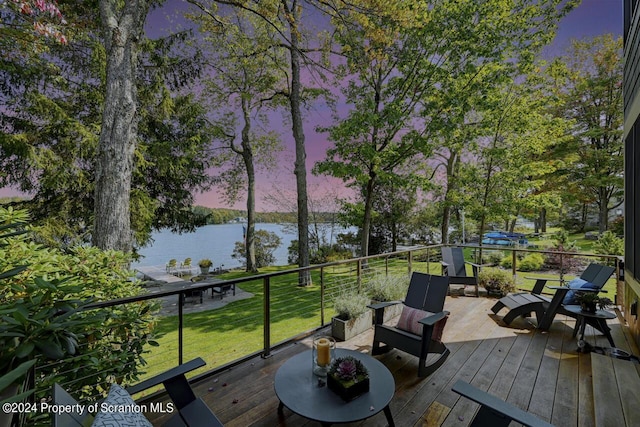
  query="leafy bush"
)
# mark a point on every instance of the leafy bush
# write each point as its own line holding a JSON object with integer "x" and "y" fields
{"x": 43, "y": 318}
{"x": 383, "y": 287}
{"x": 507, "y": 262}
{"x": 319, "y": 254}
{"x": 617, "y": 226}
{"x": 350, "y": 303}
{"x": 496, "y": 281}
{"x": 531, "y": 262}
{"x": 492, "y": 257}
{"x": 609, "y": 244}
{"x": 265, "y": 244}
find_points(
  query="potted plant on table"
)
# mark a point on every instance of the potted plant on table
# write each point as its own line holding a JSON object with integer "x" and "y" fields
{"x": 348, "y": 378}
{"x": 591, "y": 301}
{"x": 352, "y": 315}
{"x": 205, "y": 264}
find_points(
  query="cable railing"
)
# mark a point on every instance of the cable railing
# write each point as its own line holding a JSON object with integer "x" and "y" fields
{"x": 278, "y": 311}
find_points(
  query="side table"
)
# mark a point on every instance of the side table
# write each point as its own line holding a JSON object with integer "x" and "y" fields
{"x": 598, "y": 320}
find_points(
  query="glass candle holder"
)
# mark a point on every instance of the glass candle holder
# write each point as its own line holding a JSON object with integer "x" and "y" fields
{"x": 322, "y": 354}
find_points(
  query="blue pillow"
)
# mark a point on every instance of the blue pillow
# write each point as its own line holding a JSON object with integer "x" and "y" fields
{"x": 575, "y": 285}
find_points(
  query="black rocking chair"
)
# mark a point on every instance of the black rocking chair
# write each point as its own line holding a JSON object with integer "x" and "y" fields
{"x": 421, "y": 323}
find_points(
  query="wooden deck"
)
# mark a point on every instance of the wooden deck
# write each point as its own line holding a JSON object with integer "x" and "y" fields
{"x": 541, "y": 373}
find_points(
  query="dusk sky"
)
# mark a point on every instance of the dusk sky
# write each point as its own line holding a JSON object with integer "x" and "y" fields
{"x": 591, "y": 18}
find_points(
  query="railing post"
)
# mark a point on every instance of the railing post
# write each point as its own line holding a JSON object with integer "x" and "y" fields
{"x": 267, "y": 318}
{"x": 428, "y": 262}
{"x": 514, "y": 258}
{"x": 180, "y": 328}
{"x": 561, "y": 269}
{"x": 321, "y": 296}
{"x": 359, "y": 274}
{"x": 410, "y": 263}
{"x": 386, "y": 266}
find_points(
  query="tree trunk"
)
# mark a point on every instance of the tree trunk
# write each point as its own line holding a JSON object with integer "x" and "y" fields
{"x": 122, "y": 31}
{"x": 543, "y": 220}
{"x": 446, "y": 211}
{"x": 603, "y": 210}
{"x": 366, "y": 221}
{"x": 247, "y": 157}
{"x": 300, "y": 168}
{"x": 446, "y": 219}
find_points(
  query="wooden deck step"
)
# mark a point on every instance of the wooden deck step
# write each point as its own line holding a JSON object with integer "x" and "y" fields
{"x": 616, "y": 391}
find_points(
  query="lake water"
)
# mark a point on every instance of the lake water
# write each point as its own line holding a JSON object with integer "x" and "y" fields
{"x": 215, "y": 242}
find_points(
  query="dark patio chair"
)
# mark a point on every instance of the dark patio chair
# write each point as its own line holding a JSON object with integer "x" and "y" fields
{"x": 191, "y": 410}
{"x": 454, "y": 266}
{"x": 495, "y": 412}
{"x": 592, "y": 279}
{"x": 419, "y": 330}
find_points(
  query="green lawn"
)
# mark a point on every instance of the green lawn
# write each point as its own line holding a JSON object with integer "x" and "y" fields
{"x": 226, "y": 334}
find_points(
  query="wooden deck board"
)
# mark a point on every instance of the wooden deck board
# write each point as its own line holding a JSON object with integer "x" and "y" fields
{"x": 540, "y": 372}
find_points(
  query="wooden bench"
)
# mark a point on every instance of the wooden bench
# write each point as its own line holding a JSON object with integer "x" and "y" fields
{"x": 493, "y": 411}
{"x": 616, "y": 391}
{"x": 191, "y": 411}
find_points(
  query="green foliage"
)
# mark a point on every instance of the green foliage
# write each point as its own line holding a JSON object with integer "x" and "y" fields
{"x": 492, "y": 257}
{"x": 387, "y": 287}
{"x": 44, "y": 315}
{"x": 609, "y": 244}
{"x": 588, "y": 81}
{"x": 531, "y": 262}
{"x": 319, "y": 254}
{"x": 617, "y": 226}
{"x": 266, "y": 242}
{"x": 349, "y": 303}
{"x": 592, "y": 298}
{"x": 496, "y": 280}
{"x": 53, "y": 102}
{"x": 507, "y": 262}
{"x": 205, "y": 263}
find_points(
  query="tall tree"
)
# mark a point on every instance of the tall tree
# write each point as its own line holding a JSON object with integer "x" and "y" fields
{"x": 243, "y": 82}
{"x": 285, "y": 16}
{"x": 510, "y": 169}
{"x": 488, "y": 44}
{"x": 385, "y": 83}
{"x": 592, "y": 92}
{"x": 443, "y": 61}
{"x": 122, "y": 26}
{"x": 52, "y": 122}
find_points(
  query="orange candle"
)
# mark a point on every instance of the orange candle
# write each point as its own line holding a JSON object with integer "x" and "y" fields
{"x": 324, "y": 357}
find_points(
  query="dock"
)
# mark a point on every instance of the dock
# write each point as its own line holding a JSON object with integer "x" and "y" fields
{"x": 157, "y": 273}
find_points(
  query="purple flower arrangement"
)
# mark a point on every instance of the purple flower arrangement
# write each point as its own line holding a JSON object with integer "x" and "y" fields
{"x": 348, "y": 377}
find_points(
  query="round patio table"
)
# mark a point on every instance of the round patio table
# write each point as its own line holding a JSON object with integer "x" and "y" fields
{"x": 598, "y": 320}
{"x": 297, "y": 388}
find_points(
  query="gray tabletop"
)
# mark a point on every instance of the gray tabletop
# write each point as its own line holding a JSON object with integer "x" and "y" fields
{"x": 599, "y": 314}
{"x": 297, "y": 388}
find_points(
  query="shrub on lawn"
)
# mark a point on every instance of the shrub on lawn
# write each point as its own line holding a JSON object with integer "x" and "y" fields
{"x": 531, "y": 262}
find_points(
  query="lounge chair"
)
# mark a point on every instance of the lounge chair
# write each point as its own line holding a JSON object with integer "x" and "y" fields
{"x": 171, "y": 266}
{"x": 419, "y": 329}
{"x": 454, "y": 266}
{"x": 593, "y": 278}
{"x": 185, "y": 267}
{"x": 190, "y": 410}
